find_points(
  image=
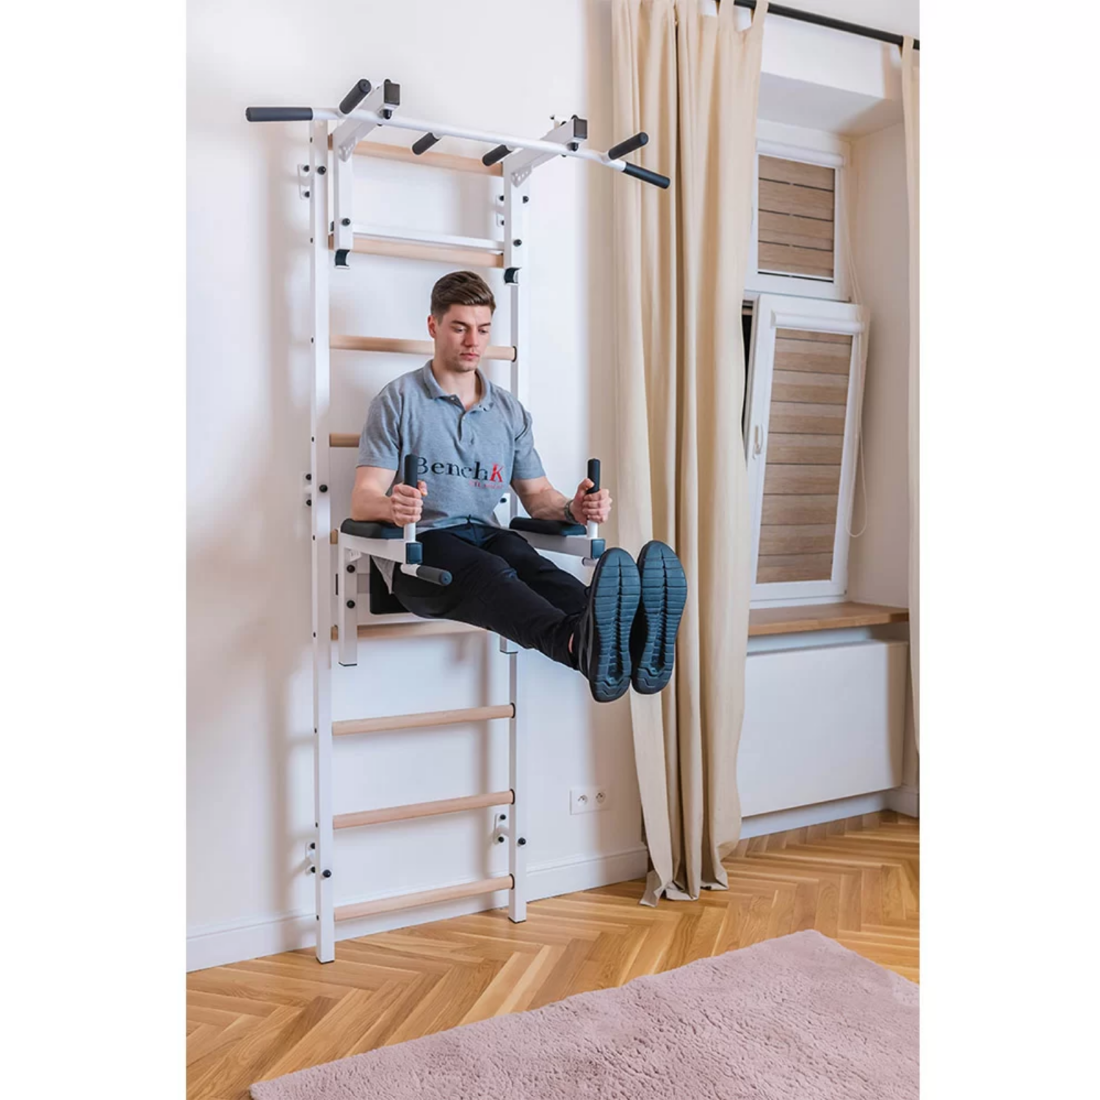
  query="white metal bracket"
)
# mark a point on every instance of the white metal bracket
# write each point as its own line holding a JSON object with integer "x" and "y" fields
{"x": 383, "y": 101}
{"x": 521, "y": 164}
{"x": 343, "y": 209}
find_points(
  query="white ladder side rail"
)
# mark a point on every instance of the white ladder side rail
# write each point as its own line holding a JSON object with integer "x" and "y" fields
{"x": 516, "y": 247}
{"x": 321, "y": 552}
{"x": 347, "y": 578}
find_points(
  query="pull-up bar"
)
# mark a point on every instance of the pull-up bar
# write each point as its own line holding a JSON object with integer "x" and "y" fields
{"x": 503, "y": 144}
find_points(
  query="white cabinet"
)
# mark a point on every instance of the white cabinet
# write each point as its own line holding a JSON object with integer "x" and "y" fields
{"x": 821, "y": 722}
{"x": 805, "y": 393}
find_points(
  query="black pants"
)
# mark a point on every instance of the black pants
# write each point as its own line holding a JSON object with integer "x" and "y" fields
{"x": 499, "y": 582}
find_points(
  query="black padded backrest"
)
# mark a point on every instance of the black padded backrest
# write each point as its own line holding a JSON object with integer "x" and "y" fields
{"x": 546, "y": 526}
{"x": 365, "y": 529}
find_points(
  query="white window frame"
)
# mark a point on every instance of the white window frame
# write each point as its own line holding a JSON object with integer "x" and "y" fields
{"x": 773, "y": 312}
{"x": 831, "y": 152}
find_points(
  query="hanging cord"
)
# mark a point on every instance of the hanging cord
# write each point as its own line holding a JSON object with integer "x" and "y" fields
{"x": 851, "y": 201}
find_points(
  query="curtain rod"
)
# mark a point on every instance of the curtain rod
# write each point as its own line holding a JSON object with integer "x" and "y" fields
{"x": 825, "y": 21}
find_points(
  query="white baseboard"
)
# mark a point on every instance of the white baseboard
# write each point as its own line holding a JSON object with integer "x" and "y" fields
{"x": 818, "y": 814}
{"x": 904, "y": 800}
{"x": 217, "y": 945}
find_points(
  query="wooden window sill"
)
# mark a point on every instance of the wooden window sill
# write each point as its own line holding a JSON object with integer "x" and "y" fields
{"x": 799, "y": 619}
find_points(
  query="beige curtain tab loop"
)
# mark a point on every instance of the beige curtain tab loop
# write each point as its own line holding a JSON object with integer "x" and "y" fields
{"x": 727, "y": 11}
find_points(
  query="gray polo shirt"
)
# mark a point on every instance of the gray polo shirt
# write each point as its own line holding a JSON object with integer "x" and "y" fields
{"x": 468, "y": 457}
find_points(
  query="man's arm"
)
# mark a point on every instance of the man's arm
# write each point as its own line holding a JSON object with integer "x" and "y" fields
{"x": 543, "y": 501}
{"x": 369, "y": 501}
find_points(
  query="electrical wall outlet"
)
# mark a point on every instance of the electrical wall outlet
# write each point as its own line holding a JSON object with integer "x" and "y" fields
{"x": 587, "y": 800}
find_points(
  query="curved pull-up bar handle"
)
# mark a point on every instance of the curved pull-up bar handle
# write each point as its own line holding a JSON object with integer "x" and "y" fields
{"x": 636, "y": 142}
{"x": 279, "y": 114}
{"x": 646, "y": 175}
{"x": 360, "y": 90}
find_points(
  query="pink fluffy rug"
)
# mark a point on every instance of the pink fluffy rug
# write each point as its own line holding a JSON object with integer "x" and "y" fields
{"x": 795, "y": 1017}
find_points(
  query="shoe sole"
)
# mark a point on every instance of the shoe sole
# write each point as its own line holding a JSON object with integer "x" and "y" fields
{"x": 616, "y": 595}
{"x": 664, "y": 594}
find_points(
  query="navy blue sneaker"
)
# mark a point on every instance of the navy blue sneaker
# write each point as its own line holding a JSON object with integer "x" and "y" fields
{"x": 653, "y": 637}
{"x": 602, "y": 638}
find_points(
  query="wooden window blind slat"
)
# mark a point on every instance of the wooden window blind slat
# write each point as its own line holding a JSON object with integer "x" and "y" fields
{"x": 805, "y": 450}
{"x": 824, "y": 389}
{"x": 802, "y": 480}
{"x": 794, "y": 261}
{"x": 806, "y": 417}
{"x": 809, "y": 355}
{"x": 814, "y": 538}
{"x": 779, "y": 568}
{"x": 798, "y": 511}
{"x": 815, "y": 337}
{"x": 795, "y": 171}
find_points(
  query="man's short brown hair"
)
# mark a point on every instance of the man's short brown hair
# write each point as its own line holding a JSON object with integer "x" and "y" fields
{"x": 461, "y": 288}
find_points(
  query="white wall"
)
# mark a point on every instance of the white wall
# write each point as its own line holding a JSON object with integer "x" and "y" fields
{"x": 878, "y": 567}
{"x": 496, "y": 64}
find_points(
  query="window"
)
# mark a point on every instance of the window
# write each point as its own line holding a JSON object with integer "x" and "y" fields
{"x": 796, "y": 245}
{"x": 803, "y": 412}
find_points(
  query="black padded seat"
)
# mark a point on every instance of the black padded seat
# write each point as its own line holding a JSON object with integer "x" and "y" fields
{"x": 366, "y": 529}
{"x": 546, "y": 526}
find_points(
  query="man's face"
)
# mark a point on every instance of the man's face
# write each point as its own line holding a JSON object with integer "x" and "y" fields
{"x": 461, "y": 336}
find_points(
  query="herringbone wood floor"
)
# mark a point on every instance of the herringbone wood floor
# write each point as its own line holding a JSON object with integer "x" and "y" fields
{"x": 855, "y": 880}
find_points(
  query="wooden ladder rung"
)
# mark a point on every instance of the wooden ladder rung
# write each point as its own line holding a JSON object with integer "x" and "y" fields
{"x": 385, "y": 151}
{"x": 413, "y": 250}
{"x": 341, "y": 342}
{"x": 425, "y": 718}
{"x": 423, "y": 897}
{"x": 423, "y": 809}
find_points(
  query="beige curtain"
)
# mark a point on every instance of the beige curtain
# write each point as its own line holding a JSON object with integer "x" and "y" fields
{"x": 910, "y": 92}
{"x": 691, "y": 81}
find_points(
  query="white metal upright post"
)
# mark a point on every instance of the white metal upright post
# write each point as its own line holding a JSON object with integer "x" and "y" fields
{"x": 516, "y": 198}
{"x": 322, "y": 553}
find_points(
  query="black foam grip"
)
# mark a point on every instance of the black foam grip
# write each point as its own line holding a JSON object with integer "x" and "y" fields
{"x": 434, "y": 576}
{"x": 628, "y": 146}
{"x": 279, "y": 114}
{"x": 412, "y": 462}
{"x": 499, "y": 153}
{"x": 594, "y": 474}
{"x": 645, "y": 174}
{"x": 360, "y": 90}
{"x": 423, "y": 144}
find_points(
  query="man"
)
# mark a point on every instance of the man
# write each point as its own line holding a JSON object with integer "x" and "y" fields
{"x": 474, "y": 439}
